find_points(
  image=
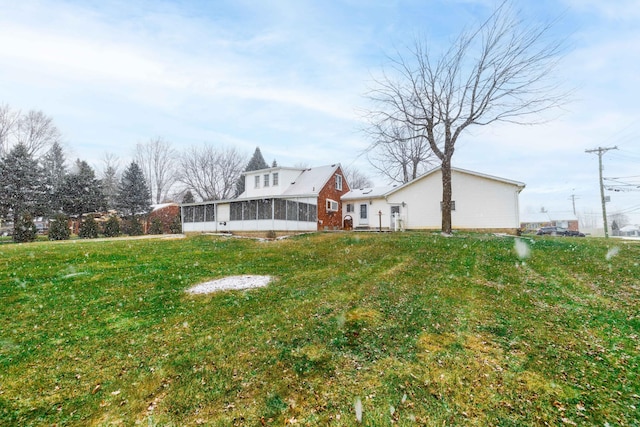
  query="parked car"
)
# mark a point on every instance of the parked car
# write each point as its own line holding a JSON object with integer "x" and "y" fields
{"x": 558, "y": 231}
{"x": 551, "y": 231}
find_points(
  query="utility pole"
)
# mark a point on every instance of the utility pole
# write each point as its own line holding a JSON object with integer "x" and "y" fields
{"x": 573, "y": 198}
{"x": 600, "y": 151}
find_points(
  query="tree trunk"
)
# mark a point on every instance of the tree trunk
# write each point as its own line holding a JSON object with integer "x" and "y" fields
{"x": 446, "y": 195}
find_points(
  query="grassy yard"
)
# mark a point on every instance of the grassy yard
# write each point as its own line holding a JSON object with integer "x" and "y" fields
{"x": 416, "y": 328}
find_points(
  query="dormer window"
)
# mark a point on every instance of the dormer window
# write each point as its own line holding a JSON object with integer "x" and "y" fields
{"x": 339, "y": 182}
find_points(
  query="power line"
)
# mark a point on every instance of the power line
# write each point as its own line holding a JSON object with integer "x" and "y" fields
{"x": 600, "y": 151}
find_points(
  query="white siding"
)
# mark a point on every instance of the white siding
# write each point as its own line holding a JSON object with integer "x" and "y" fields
{"x": 480, "y": 203}
{"x": 285, "y": 177}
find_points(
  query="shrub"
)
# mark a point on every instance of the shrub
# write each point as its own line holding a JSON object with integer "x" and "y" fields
{"x": 112, "y": 227}
{"x": 156, "y": 226}
{"x": 133, "y": 227}
{"x": 59, "y": 228}
{"x": 88, "y": 229}
{"x": 24, "y": 229}
{"x": 175, "y": 227}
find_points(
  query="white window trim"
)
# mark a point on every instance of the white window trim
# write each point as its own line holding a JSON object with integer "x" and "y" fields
{"x": 266, "y": 180}
{"x": 332, "y": 205}
{"x": 256, "y": 181}
{"x": 338, "y": 182}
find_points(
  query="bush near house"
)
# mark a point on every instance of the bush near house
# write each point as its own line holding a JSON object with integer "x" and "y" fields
{"x": 111, "y": 227}
{"x": 59, "y": 228}
{"x": 88, "y": 228}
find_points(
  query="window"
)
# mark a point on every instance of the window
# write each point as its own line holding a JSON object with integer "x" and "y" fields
{"x": 350, "y": 208}
{"x": 257, "y": 181}
{"x": 275, "y": 178}
{"x": 332, "y": 205}
{"x": 339, "y": 182}
{"x": 363, "y": 211}
{"x": 266, "y": 180}
{"x": 453, "y": 205}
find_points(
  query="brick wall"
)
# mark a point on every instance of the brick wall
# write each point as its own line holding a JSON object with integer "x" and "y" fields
{"x": 331, "y": 220}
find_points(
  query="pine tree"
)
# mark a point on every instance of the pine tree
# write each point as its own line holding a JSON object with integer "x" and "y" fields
{"x": 133, "y": 193}
{"x": 22, "y": 184}
{"x": 256, "y": 163}
{"x": 188, "y": 197}
{"x": 24, "y": 229}
{"x": 59, "y": 228}
{"x": 55, "y": 171}
{"x": 82, "y": 191}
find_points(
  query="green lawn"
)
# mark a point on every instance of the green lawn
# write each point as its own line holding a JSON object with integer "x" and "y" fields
{"x": 421, "y": 329}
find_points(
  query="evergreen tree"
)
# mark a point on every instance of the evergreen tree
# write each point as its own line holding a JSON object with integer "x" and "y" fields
{"x": 22, "y": 184}
{"x": 88, "y": 228}
{"x": 59, "y": 228}
{"x": 24, "y": 230}
{"x": 111, "y": 227}
{"x": 188, "y": 197}
{"x": 133, "y": 193}
{"x": 82, "y": 191}
{"x": 256, "y": 163}
{"x": 55, "y": 171}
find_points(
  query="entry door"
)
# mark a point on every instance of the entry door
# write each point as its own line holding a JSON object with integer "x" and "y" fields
{"x": 364, "y": 214}
{"x": 394, "y": 210}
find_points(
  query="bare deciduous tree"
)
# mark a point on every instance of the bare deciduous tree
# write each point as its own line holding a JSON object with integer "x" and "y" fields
{"x": 498, "y": 72}
{"x": 36, "y": 131}
{"x": 110, "y": 179}
{"x": 356, "y": 178}
{"x": 157, "y": 160}
{"x": 211, "y": 173}
{"x": 8, "y": 124}
{"x": 398, "y": 152}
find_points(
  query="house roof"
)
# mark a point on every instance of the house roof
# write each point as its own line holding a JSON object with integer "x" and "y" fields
{"x": 386, "y": 191}
{"x": 543, "y": 217}
{"x": 370, "y": 192}
{"x": 311, "y": 181}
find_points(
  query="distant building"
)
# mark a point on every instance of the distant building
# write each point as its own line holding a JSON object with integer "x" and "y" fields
{"x": 531, "y": 222}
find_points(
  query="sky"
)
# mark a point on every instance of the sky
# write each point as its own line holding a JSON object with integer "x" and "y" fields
{"x": 291, "y": 77}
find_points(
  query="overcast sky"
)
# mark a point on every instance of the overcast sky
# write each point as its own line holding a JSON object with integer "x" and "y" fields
{"x": 290, "y": 77}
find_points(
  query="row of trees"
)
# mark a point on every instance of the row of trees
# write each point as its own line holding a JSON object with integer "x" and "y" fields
{"x": 45, "y": 186}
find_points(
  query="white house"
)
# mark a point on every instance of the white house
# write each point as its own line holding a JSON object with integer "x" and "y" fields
{"x": 275, "y": 199}
{"x": 480, "y": 202}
